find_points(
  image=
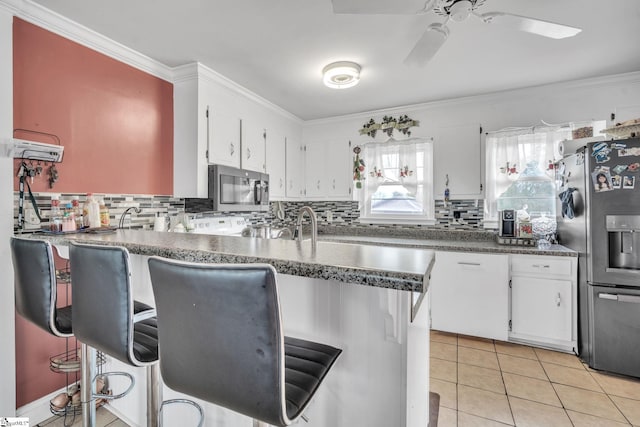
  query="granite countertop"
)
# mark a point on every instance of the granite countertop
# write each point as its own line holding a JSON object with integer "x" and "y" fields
{"x": 382, "y": 266}
{"x": 450, "y": 245}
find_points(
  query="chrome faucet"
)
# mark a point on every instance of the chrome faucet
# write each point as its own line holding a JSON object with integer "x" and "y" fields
{"x": 124, "y": 214}
{"x": 314, "y": 225}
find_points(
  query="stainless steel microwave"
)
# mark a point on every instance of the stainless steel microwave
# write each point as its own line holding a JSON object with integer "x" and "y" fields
{"x": 232, "y": 189}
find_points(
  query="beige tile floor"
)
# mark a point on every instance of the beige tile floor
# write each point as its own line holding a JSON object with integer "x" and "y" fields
{"x": 104, "y": 418}
{"x": 492, "y": 383}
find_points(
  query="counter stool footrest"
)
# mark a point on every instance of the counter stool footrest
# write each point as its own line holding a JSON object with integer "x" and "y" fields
{"x": 115, "y": 374}
{"x": 188, "y": 402}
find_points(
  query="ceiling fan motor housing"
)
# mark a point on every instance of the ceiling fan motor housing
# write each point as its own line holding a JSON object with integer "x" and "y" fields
{"x": 457, "y": 10}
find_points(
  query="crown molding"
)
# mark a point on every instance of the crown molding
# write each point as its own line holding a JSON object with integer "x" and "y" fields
{"x": 58, "y": 24}
{"x": 631, "y": 78}
{"x": 217, "y": 78}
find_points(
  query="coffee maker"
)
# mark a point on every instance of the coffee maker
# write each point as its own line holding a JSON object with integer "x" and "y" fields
{"x": 507, "y": 224}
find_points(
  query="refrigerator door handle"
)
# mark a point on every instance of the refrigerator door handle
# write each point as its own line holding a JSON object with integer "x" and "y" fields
{"x": 633, "y": 299}
{"x": 613, "y": 297}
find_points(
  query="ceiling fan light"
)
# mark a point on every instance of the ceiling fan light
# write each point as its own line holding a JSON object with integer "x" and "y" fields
{"x": 460, "y": 10}
{"x": 341, "y": 75}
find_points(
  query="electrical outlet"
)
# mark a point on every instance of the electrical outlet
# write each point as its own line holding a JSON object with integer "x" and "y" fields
{"x": 329, "y": 216}
{"x": 31, "y": 221}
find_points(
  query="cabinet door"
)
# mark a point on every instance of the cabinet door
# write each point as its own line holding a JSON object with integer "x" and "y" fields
{"x": 294, "y": 169}
{"x": 328, "y": 170}
{"x": 541, "y": 308}
{"x": 254, "y": 139}
{"x": 470, "y": 294}
{"x": 338, "y": 169}
{"x": 276, "y": 165}
{"x": 315, "y": 170}
{"x": 224, "y": 138}
{"x": 457, "y": 153}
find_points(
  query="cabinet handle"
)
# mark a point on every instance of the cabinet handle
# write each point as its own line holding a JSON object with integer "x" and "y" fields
{"x": 318, "y": 185}
{"x": 248, "y": 153}
{"x": 281, "y": 182}
{"x": 333, "y": 183}
{"x": 232, "y": 148}
{"x": 541, "y": 266}
{"x": 475, "y": 264}
{"x": 558, "y": 299}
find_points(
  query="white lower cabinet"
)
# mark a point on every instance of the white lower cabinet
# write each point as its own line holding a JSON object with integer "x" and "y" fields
{"x": 543, "y": 301}
{"x": 470, "y": 294}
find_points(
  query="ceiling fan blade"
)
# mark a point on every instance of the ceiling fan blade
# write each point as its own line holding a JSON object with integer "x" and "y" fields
{"x": 382, "y": 7}
{"x": 430, "y": 42}
{"x": 531, "y": 25}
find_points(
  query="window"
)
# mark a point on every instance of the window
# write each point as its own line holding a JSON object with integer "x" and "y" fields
{"x": 398, "y": 181}
{"x": 520, "y": 172}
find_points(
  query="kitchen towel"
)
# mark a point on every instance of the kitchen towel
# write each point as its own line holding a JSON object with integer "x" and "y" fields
{"x": 566, "y": 197}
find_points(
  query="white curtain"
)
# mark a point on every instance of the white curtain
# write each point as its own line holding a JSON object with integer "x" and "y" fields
{"x": 508, "y": 153}
{"x": 407, "y": 163}
{"x": 391, "y": 163}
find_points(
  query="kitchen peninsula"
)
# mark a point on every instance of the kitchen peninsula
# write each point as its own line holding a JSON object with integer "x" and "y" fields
{"x": 370, "y": 301}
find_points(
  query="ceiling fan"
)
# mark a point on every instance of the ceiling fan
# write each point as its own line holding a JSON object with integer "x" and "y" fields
{"x": 455, "y": 10}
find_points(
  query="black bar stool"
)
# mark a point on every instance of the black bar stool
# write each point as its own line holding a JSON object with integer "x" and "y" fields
{"x": 106, "y": 318}
{"x": 221, "y": 340}
{"x": 36, "y": 286}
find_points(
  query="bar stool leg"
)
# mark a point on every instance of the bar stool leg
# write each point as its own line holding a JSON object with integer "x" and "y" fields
{"x": 154, "y": 395}
{"x": 87, "y": 387}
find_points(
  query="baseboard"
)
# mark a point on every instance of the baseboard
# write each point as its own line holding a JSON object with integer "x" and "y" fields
{"x": 38, "y": 410}
{"x": 120, "y": 415}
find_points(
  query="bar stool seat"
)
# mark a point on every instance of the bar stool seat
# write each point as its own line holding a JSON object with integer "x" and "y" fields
{"x": 221, "y": 340}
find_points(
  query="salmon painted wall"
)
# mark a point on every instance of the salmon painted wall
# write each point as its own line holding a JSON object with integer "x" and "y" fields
{"x": 116, "y": 124}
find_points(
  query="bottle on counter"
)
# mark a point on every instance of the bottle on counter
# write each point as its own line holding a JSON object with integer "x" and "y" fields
{"x": 55, "y": 215}
{"x": 77, "y": 212}
{"x": 68, "y": 218}
{"x": 91, "y": 212}
{"x": 105, "y": 221}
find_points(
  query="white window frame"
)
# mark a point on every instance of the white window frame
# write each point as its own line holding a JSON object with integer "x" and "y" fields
{"x": 364, "y": 195}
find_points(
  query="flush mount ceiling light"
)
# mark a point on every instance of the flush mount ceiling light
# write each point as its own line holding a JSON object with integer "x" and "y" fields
{"x": 341, "y": 75}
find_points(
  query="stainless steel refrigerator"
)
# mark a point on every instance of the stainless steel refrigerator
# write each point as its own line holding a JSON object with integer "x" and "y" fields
{"x": 599, "y": 217}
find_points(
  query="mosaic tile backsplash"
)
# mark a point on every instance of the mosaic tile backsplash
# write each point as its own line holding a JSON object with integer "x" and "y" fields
{"x": 149, "y": 205}
{"x": 454, "y": 215}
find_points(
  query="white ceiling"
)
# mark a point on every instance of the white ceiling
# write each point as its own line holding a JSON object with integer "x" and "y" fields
{"x": 277, "y": 48}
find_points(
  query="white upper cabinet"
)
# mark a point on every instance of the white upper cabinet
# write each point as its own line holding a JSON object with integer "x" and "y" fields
{"x": 294, "y": 169}
{"x": 457, "y": 153}
{"x": 223, "y": 138}
{"x": 217, "y": 122}
{"x": 254, "y": 137}
{"x": 328, "y": 170}
{"x": 276, "y": 165}
{"x": 315, "y": 174}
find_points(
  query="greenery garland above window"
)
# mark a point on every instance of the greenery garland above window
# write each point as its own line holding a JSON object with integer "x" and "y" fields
{"x": 403, "y": 124}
